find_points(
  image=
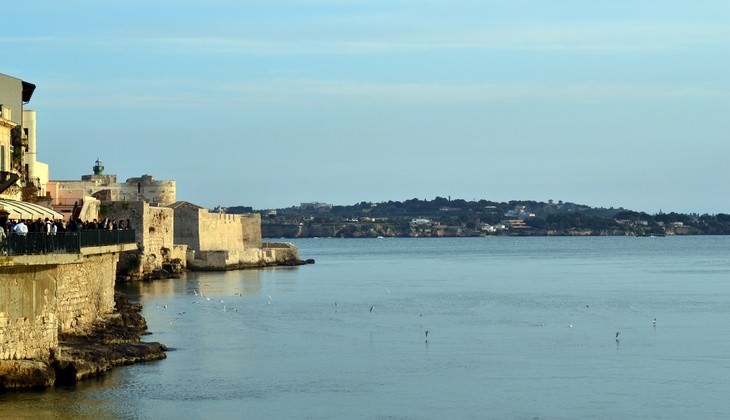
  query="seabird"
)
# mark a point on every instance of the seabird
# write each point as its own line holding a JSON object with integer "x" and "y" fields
{"x": 617, "y": 334}
{"x": 653, "y": 322}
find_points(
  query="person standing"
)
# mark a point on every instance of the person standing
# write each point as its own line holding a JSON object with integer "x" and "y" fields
{"x": 3, "y": 242}
{"x": 21, "y": 230}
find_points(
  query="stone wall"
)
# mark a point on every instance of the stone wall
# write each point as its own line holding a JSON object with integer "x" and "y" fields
{"x": 147, "y": 188}
{"x": 278, "y": 253}
{"x": 251, "y": 228}
{"x": 220, "y": 231}
{"x": 85, "y": 291}
{"x": 155, "y": 231}
{"x": 44, "y": 295}
{"x": 218, "y": 240}
{"x": 186, "y": 228}
{"x": 28, "y": 321}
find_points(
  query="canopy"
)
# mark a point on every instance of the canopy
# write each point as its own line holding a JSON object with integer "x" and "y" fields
{"x": 23, "y": 210}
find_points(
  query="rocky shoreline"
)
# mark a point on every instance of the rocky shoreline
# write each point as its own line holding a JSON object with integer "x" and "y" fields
{"x": 114, "y": 341}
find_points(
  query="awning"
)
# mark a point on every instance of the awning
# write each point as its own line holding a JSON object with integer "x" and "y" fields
{"x": 23, "y": 210}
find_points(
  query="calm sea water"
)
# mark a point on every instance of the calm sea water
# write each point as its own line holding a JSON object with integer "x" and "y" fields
{"x": 519, "y": 328}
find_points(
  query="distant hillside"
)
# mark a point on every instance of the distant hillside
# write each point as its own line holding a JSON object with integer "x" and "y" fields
{"x": 444, "y": 217}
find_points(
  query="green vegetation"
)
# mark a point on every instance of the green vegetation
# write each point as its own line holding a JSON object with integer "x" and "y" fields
{"x": 444, "y": 217}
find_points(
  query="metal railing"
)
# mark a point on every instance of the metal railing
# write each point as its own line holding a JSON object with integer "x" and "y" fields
{"x": 63, "y": 242}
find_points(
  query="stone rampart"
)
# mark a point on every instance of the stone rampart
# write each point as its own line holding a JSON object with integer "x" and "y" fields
{"x": 251, "y": 230}
{"x": 278, "y": 253}
{"x": 42, "y": 296}
{"x": 147, "y": 188}
{"x": 155, "y": 231}
{"x": 220, "y": 231}
{"x": 85, "y": 291}
{"x": 28, "y": 321}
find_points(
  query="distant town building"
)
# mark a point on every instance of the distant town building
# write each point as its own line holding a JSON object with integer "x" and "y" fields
{"x": 519, "y": 212}
{"x": 315, "y": 206}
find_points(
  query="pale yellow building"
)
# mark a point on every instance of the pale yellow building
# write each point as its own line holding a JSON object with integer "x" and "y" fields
{"x": 35, "y": 172}
{"x": 13, "y": 94}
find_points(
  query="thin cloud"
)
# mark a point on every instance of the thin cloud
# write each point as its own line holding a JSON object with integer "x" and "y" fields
{"x": 595, "y": 37}
{"x": 303, "y": 93}
{"x": 601, "y": 37}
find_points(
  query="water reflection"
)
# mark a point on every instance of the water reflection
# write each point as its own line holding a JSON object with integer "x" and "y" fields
{"x": 226, "y": 283}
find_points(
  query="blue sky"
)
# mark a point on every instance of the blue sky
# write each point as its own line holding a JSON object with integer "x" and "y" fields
{"x": 272, "y": 103}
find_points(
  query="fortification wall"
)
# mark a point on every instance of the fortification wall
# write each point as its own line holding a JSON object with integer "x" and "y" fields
{"x": 149, "y": 189}
{"x": 220, "y": 231}
{"x": 279, "y": 253}
{"x": 186, "y": 228}
{"x": 28, "y": 321}
{"x": 46, "y": 295}
{"x": 251, "y": 230}
{"x": 155, "y": 231}
{"x": 157, "y": 236}
{"x": 219, "y": 241}
{"x": 85, "y": 291}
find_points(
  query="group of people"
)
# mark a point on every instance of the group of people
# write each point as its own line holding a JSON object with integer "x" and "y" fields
{"x": 23, "y": 227}
{"x": 52, "y": 227}
{"x": 104, "y": 224}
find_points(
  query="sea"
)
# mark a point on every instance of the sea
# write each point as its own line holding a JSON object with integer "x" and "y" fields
{"x": 431, "y": 328}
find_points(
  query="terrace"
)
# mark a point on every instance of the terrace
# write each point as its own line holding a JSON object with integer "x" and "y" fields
{"x": 35, "y": 243}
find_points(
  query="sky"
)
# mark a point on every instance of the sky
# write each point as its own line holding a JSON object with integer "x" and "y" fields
{"x": 269, "y": 103}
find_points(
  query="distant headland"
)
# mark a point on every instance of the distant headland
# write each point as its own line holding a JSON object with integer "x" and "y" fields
{"x": 444, "y": 217}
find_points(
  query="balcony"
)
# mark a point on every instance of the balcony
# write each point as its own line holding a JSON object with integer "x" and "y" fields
{"x": 64, "y": 242}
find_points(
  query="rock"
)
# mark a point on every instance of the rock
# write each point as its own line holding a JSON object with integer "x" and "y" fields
{"x": 114, "y": 341}
{"x": 25, "y": 374}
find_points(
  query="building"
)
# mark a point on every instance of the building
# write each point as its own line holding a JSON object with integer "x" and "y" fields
{"x": 19, "y": 171}
{"x": 14, "y": 93}
{"x": 220, "y": 241}
{"x": 81, "y": 198}
{"x": 35, "y": 172}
